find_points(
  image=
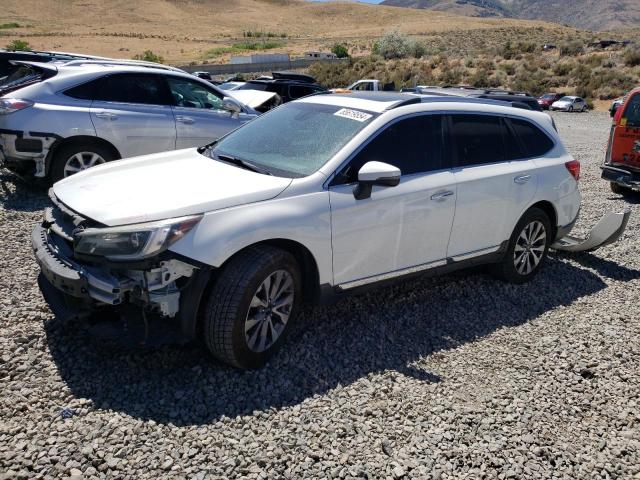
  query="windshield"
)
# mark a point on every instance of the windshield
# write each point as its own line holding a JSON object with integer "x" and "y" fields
{"x": 566, "y": 99}
{"x": 549, "y": 96}
{"x": 295, "y": 139}
{"x": 229, "y": 86}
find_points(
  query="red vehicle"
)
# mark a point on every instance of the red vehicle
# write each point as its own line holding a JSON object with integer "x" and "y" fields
{"x": 622, "y": 163}
{"x": 547, "y": 99}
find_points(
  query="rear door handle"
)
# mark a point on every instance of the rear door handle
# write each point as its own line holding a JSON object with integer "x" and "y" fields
{"x": 522, "y": 179}
{"x": 107, "y": 115}
{"x": 185, "y": 120}
{"x": 441, "y": 195}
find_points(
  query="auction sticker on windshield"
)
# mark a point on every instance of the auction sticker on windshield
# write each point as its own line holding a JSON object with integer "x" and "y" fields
{"x": 353, "y": 114}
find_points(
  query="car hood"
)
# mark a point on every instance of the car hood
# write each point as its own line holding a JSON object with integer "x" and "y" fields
{"x": 251, "y": 98}
{"x": 161, "y": 186}
{"x": 561, "y": 104}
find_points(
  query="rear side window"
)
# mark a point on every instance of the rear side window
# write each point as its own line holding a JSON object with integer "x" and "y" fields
{"x": 125, "y": 88}
{"x": 534, "y": 141}
{"x": 632, "y": 111}
{"x": 414, "y": 145}
{"x": 478, "y": 139}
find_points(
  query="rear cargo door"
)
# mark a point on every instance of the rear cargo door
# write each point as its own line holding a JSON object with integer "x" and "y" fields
{"x": 625, "y": 148}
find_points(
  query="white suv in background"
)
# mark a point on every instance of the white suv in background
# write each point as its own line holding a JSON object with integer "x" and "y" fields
{"x": 69, "y": 117}
{"x": 320, "y": 197}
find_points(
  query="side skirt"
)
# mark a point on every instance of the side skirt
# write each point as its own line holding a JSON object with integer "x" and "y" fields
{"x": 330, "y": 294}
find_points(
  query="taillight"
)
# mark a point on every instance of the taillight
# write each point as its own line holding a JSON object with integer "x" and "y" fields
{"x": 10, "y": 105}
{"x": 574, "y": 168}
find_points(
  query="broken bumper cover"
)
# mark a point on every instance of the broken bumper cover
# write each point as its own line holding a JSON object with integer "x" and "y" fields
{"x": 622, "y": 176}
{"x": 70, "y": 277}
{"x": 607, "y": 231}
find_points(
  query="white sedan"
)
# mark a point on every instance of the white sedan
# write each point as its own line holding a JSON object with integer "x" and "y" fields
{"x": 570, "y": 104}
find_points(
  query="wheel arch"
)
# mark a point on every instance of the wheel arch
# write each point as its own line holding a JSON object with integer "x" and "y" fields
{"x": 305, "y": 259}
{"x": 548, "y": 208}
{"x": 78, "y": 139}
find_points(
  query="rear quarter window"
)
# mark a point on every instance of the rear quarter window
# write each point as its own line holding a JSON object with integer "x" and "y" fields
{"x": 535, "y": 142}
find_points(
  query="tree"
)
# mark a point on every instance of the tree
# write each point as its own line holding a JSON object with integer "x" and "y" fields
{"x": 340, "y": 50}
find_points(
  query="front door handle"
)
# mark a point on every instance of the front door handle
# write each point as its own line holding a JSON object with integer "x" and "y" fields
{"x": 522, "y": 179}
{"x": 107, "y": 115}
{"x": 440, "y": 196}
{"x": 185, "y": 120}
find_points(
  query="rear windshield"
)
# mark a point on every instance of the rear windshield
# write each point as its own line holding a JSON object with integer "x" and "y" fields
{"x": 632, "y": 111}
{"x": 295, "y": 139}
{"x": 23, "y": 75}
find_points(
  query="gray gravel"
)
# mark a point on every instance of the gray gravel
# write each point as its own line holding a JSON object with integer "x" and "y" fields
{"x": 455, "y": 377}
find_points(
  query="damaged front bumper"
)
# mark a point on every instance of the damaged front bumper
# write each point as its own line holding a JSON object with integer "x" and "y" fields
{"x": 607, "y": 231}
{"x": 165, "y": 287}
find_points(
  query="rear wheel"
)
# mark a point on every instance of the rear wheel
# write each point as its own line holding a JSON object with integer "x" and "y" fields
{"x": 527, "y": 249}
{"x": 619, "y": 189}
{"x": 252, "y": 306}
{"x": 71, "y": 159}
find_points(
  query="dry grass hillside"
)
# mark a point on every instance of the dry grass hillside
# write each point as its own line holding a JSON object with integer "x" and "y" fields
{"x": 194, "y": 30}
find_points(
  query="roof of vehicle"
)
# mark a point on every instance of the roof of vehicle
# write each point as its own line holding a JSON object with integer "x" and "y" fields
{"x": 570, "y": 96}
{"x": 383, "y": 101}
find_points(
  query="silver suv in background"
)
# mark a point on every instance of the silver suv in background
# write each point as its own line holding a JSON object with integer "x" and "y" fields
{"x": 72, "y": 116}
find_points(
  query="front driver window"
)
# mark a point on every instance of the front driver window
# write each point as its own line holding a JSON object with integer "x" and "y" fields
{"x": 414, "y": 145}
{"x": 193, "y": 94}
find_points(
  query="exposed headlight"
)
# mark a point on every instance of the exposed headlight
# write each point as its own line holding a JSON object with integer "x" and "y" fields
{"x": 134, "y": 242}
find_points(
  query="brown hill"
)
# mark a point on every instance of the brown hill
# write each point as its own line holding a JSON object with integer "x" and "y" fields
{"x": 190, "y": 30}
{"x": 589, "y": 14}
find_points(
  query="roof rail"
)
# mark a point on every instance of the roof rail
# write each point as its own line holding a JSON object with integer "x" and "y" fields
{"x": 131, "y": 63}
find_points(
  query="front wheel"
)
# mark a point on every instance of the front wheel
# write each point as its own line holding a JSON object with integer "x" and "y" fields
{"x": 527, "y": 249}
{"x": 252, "y": 306}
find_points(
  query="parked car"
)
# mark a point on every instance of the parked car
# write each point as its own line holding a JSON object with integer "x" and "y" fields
{"x": 547, "y": 99}
{"x": 570, "y": 104}
{"x": 615, "y": 105}
{"x": 370, "y": 85}
{"x": 73, "y": 116}
{"x": 288, "y": 86}
{"x": 622, "y": 162}
{"x": 515, "y": 99}
{"x": 231, "y": 85}
{"x": 229, "y": 240}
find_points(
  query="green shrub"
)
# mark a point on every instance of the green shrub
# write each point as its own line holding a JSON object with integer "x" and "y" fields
{"x": 571, "y": 48}
{"x": 149, "y": 56}
{"x": 632, "y": 57}
{"x": 19, "y": 45}
{"x": 256, "y": 45}
{"x": 340, "y": 50}
{"x": 9, "y": 25}
{"x": 396, "y": 45}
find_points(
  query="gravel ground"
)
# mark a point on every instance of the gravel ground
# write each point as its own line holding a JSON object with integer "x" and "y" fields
{"x": 455, "y": 377}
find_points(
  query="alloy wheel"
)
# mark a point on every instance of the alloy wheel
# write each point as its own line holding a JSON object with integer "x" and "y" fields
{"x": 530, "y": 247}
{"x": 81, "y": 161}
{"x": 269, "y": 311}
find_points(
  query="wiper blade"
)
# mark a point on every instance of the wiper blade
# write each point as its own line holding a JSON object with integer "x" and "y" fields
{"x": 242, "y": 163}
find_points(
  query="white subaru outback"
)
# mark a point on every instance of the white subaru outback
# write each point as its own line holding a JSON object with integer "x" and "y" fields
{"x": 320, "y": 197}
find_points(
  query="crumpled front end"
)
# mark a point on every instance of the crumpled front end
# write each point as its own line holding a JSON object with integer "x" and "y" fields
{"x": 75, "y": 287}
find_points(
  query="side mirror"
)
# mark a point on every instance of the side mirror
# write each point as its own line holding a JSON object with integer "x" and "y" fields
{"x": 375, "y": 173}
{"x": 232, "y": 105}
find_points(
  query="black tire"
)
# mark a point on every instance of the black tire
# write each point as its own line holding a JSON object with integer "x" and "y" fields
{"x": 229, "y": 303}
{"x": 64, "y": 153}
{"x": 619, "y": 189}
{"x": 507, "y": 270}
